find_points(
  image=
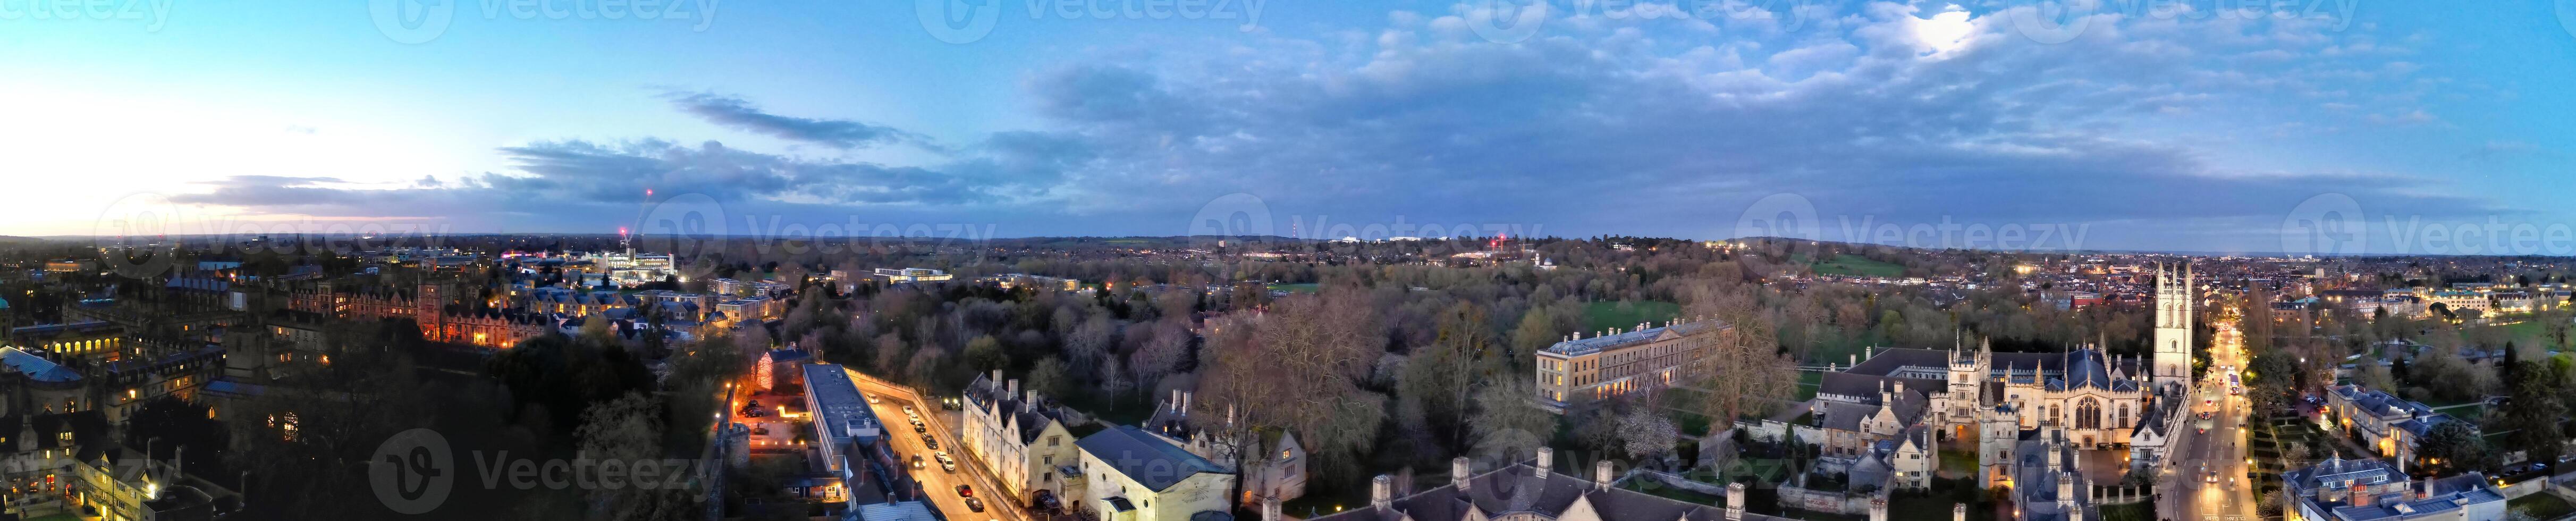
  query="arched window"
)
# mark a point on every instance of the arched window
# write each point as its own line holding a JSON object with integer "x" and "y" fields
{"x": 2088, "y": 414}
{"x": 2124, "y": 417}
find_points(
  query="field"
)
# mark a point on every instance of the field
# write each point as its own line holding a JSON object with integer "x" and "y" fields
{"x": 1309, "y": 287}
{"x": 1602, "y": 315}
{"x": 2529, "y": 332}
{"x": 1856, "y": 266}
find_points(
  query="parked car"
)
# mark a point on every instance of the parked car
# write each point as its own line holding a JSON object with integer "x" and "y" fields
{"x": 975, "y": 504}
{"x": 917, "y": 427}
{"x": 907, "y": 411}
{"x": 916, "y": 462}
{"x": 927, "y": 441}
{"x": 873, "y": 399}
{"x": 965, "y": 491}
{"x": 947, "y": 463}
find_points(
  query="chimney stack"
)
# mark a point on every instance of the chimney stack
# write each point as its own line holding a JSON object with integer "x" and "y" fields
{"x": 2065, "y": 492}
{"x": 1878, "y": 508}
{"x": 1458, "y": 473}
{"x": 1381, "y": 492}
{"x": 1011, "y": 389}
{"x": 1270, "y": 509}
{"x": 1602, "y": 475}
{"x": 1735, "y": 502}
{"x": 1546, "y": 460}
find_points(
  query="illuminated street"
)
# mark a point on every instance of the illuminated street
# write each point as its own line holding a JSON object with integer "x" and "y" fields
{"x": 2188, "y": 492}
{"x": 939, "y": 485}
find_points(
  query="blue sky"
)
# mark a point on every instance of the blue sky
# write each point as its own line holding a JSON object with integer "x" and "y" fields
{"x": 2205, "y": 126}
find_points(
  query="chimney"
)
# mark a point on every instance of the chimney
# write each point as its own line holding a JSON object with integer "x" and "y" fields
{"x": 1381, "y": 492}
{"x": 1032, "y": 398}
{"x": 1958, "y": 512}
{"x": 1185, "y": 400}
{"x": 2065, "y": 492}
{"x": 1270, "y": 509}
{"x": 1175, "y": 402}
{"x": 1458, "y": 473}
{"x": 1735, "y": 502}
{"x": 1602, "y": 475}
{"x": 1011, "y": 389}
{"x": 1546, "y": 460}
{"x": 1878, "y": 508}
{"x": 997, "y": 376}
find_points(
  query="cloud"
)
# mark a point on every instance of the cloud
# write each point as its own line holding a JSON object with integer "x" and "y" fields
{"x": 734, "y": 112}
{"x": 1610, "y": 125}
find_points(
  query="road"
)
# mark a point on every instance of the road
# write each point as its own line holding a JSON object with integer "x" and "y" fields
{"x": 940, "y": 485}
{"x": 2188, "y": 494}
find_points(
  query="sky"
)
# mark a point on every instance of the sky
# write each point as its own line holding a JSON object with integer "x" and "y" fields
{"x": 2299, "y": 126}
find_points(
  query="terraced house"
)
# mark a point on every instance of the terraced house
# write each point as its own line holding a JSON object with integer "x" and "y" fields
{"x": 1018, "y": 435}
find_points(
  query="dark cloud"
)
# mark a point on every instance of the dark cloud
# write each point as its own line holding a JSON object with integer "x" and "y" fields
{"x": 1588, "y": 128}
{"x": 733, "y": 111}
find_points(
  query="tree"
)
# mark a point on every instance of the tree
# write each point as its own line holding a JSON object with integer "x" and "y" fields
{"x": 1745, "y": 374}
{"x": 1645, "y": 432}
{"x": 985, "y": 354}
{"x": 1303, "y": 366}
{"x": 1505, "y": 422}
{"x": 1440, "y": 379}
{"x": 628, "y": 430}
{"x": 1050, "y": 377}
{"x": 2531, "y": 420}
{"x": 2454, "y": 447}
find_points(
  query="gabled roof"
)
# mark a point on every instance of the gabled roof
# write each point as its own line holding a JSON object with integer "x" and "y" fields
{"x": 1148, "y": 460}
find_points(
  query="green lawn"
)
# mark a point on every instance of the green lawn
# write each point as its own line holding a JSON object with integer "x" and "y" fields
{"x": 1808, "y": 383}
{"x": 1601, "y": 315}
{"x": 1857, "y": 266}
{"x": 1309, "y": 287}
{"x": 2541, "y": 506}
{"x": 1658, "y": 489}
{"x": 2529, "y": 333}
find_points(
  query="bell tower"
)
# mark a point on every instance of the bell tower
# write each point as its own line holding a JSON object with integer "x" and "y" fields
{"x": 2174, "y": 295}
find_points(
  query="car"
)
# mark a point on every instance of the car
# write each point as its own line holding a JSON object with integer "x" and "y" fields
{"x": 907, "y": 411}
{"x": 918, "y": 428}
{"x": 965, "y": 491}
{"x": 2204, "y": 415}
{"x": 947, "y": 463}
{"x": 975, "y": 504}
{"x": 927, "y": 441}
{"x": 2235, "y": 390}
{"x": 916, "y": 462}
{"x": 873, "y": 399}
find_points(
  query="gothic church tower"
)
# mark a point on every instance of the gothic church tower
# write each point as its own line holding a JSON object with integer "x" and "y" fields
{"x": 2174, "y": 296}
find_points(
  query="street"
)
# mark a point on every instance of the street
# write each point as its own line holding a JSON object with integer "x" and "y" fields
{"x": 2188, "y": 493}
{"x": 940, "y": 485}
